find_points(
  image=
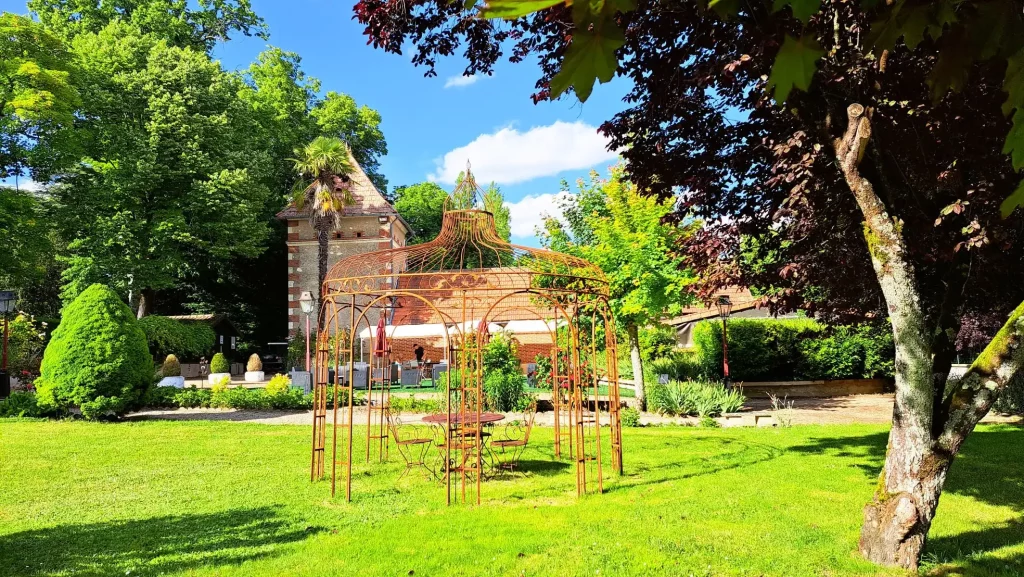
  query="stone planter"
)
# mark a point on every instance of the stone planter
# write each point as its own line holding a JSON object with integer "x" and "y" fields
{"x": 214, "y": 377}
{"x": 176, "y": 382}
{"x": 254, "y": 376}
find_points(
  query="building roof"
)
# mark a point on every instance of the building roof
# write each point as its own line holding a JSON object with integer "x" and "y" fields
{"x": 368, "y": 201}
{"x": 741, "y": 299}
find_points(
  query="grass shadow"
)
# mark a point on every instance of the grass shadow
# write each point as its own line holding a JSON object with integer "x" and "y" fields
{"x": 154, "y": 546}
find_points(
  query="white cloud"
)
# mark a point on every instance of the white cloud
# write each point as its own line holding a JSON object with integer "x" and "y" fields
{"x": 527, "y": 215}
{"x": 509, "y": 156}
{"x": 24, "y": 184}
{"x": 460, "y": 81}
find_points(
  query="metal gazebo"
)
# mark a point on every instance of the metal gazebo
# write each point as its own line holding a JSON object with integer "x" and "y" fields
{"x": 462, "y": 282}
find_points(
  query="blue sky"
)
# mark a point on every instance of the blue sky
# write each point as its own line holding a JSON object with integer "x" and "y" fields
{"x": 433, "y": 125}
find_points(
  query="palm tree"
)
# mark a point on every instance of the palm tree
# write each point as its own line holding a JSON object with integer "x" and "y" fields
{"x": 323, "y": 167}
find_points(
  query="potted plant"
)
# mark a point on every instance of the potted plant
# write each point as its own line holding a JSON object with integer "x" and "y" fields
{"x": 171, "y": 371}
{"x": 254, "y": 369}
{"x": 219, "y": 368}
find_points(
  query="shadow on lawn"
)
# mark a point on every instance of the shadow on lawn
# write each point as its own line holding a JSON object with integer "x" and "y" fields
{"x": 988, "y": 468}
{"x": 721, "y": 454}
{"x": 148, "y": 546}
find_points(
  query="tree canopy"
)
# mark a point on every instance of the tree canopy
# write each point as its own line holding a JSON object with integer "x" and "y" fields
{"x": 879, "y": 188}
{"x": 422, "y": 206}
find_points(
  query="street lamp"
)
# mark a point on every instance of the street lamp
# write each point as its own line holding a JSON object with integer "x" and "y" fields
{"x": 724, "y": 309}
{"x": 306, "y": 302}
{"x": 6, "y": 306}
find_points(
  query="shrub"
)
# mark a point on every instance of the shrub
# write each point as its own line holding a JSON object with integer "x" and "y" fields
{"x": 794, "y": 349}
{"x": 296, "y": 356}
{"x": 171, "y": 367}
{"x": 656, "y": 341}
{"x": 504, "y": 383}
{"x": 166, "y": 335}
{"x": 543, "y": 375}
{"x": 694, "y": 397}
{"x": 220, "y": 364}
{"x": 222, "y": 384}
{"x": 254, "y": 364}
{"x": 630, "y": 417}
{"x": 20, "y": 404}
{"x": 97, "y": 359}
{"x": 414, "y": 405}
{"x": 25, "y": 345}
{"x": 279, "y": 384}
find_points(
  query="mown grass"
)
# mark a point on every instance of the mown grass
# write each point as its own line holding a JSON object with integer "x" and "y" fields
{"x": 205, "y": 498}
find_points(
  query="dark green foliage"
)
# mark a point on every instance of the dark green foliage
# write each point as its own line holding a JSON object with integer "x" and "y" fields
{"x": 795, "y": 349}
{"x": 678, "y": 365}
{"x": 187, "y": 341}
{"x": 220, "y": 364}
{"x": 20, "y": 404}
{"x": 504, "y": 383}
{"x": 97, "y": 359}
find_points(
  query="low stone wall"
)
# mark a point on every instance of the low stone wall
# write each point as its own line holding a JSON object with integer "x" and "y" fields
{"x": 823, "y": 388}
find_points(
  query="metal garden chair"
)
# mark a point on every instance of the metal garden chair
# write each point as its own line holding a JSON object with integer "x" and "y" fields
{"x": 413, "y": 444}
{"x": 515, "y": 437}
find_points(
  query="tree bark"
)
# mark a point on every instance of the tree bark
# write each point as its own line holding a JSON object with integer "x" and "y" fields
{"x": 928, "y": 428}
{"x": 147, "y": 302}
{"x": 323, "y": 251}
{"x": 638, "y": 366}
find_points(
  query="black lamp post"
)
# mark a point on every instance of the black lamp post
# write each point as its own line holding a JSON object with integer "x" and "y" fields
{"x": 6, "y": 306}
{"x": 724, "y": 309}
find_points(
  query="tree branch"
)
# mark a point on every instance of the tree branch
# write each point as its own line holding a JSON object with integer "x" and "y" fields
{"x": 981, "y": 385}
{"x": 886, "y": 245}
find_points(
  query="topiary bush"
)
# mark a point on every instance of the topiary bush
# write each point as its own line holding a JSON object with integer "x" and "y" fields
{"x": 220, "y": 364}
{"x": 97, "y": 359}
{"x": 171, "y": 367}
{"x": 254, "y": 364}
{"x": 166, "y": 335}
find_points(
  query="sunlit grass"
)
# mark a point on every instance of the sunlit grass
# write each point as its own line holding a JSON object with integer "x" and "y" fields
{"x": 201, "y": 498}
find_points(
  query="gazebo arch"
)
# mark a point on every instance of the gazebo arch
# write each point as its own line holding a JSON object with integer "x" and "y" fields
{"x": 456, "y": 286}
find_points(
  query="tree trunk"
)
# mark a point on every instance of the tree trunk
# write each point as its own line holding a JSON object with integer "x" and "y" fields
{"x": 897, "y": 520}
{"x": 147, "y": 302}
{"x": 928, "y": 425}
{"x": 638, "y": 365}
{"x": 323, "y": 251}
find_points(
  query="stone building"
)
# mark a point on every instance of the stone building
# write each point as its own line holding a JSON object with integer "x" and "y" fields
{"x": 367, "y": 225}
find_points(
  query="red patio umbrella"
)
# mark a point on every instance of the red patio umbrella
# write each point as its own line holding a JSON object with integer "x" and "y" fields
{"x": 380, "y": 348}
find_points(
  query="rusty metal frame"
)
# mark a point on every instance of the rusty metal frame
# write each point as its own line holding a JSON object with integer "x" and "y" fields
{"x": 468, "y": 277}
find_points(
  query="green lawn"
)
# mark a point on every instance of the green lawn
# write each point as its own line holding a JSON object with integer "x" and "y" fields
{"x": 200, "y": 498}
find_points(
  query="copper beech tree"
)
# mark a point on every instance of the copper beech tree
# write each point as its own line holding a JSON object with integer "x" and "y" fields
{"x": 873, "y": 191}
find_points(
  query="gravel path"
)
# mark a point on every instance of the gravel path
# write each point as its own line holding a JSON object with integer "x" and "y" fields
{"x": 876, "y": 409}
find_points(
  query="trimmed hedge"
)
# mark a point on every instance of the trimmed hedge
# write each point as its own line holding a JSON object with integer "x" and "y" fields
{"x": 188, "y": 341}
{"x": 795, "y": 349}
{"x": 97, "y": 359}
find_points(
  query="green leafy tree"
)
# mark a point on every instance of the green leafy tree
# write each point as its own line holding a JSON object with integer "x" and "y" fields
{"x": 167, "y": 181}
{"x": 38, "y": 96}
{"x": 494, "y": 203}
{"x": 620, "y": 230}
{"x": 27, "y": 247}
{"x": 97, "y": 359}
{"x": 322, "y": 191}
{"x": 196, "y": 25}
{"x": 422, "y": 206}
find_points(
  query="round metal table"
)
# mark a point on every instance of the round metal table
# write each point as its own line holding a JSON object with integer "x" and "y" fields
{"x": 456, "y": 418}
